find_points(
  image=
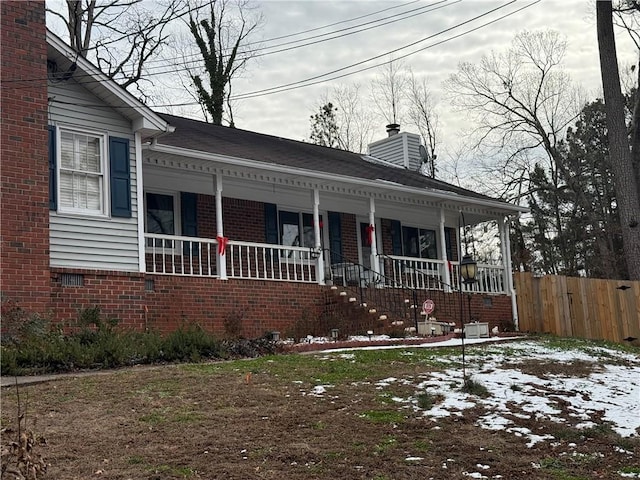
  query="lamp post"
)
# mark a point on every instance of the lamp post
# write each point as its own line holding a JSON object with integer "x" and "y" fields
{"x": 468, "y": 272}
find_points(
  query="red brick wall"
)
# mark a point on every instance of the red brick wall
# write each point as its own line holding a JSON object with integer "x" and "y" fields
{"x": 349, "y": 237}
{"x": 260, "y": 306}
{"x": 243, "y": 220}
{"x": 206, "y": 215}
{"x": 257, "y": 305}
{"x": 387, "y": 239}
{"x": 118, "y": 294}
{"x": 24, "y": 277}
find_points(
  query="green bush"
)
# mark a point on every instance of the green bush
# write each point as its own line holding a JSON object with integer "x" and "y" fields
{"x": 37, "y": 347}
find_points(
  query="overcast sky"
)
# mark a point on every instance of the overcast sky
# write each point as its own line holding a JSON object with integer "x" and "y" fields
{"x": 287, "y": 113}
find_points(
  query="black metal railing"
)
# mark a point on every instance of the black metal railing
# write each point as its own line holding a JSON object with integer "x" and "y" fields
{"x": 373, "y": 290}
{"x": 398, "y": 301}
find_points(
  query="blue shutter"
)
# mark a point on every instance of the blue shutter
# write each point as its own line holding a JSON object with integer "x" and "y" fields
{"x": 120, "y": 170}
{"x": 271, "y": 223}
{"x": 396, "y": 237}
{"x": 335, "y": 237}
{"x": 449, "y": 237}
{"x": 189, "y": 219}
{"x": 53, "y": 193}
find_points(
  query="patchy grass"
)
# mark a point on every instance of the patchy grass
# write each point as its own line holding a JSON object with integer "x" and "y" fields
{"x": 473, "y": 387}
{"x": 202, "y": 421}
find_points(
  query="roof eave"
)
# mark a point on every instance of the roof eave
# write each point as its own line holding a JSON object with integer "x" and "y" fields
{"x": 143, "y": 119}
{"x": 506, "y": 208}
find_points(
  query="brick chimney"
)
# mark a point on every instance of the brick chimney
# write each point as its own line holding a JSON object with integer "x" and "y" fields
{"x": 24, "y": 166}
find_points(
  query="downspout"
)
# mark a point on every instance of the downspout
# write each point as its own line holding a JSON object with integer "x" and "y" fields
{"x": 142, "y": 264}
{"x": 221, "y": 254}
{"x": 514, "y": 303}
{"x": 317, "y": 239}
{"x": 443, "y": 254}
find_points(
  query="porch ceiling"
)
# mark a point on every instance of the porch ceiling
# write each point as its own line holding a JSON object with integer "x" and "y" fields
{"x": 390, "y": 197}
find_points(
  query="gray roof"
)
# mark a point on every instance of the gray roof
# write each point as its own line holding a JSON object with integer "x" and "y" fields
{"x": 206, "y": 137}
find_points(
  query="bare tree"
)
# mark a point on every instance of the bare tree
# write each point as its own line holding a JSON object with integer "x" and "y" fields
{"x": 388, "y": 91}
{"x": 620, "y": 153}
{"x": 423, "y": 115}
{"x": 219, "y": 39}
{"x": 355, "y": 123}
{"x": 119, "y": 36}
{"x": 523, "y": 103}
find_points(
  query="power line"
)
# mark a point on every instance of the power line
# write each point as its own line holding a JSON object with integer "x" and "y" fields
{"x": 262, "y": 52}
{"x": 181, "y": 67}
{"x": 390, "y": 52}
{"x": 302, "y": 83}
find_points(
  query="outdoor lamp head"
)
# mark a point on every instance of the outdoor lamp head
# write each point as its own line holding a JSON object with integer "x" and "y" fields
{"x": 468, "y": 269}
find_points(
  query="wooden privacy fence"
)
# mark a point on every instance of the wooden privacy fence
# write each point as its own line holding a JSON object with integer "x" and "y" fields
{"x": 578, "y": 307}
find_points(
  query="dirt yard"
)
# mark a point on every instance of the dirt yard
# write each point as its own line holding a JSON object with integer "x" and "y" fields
{"x": 298, "y": 417}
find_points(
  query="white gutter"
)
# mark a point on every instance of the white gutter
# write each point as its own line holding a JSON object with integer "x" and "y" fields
{"x": 374, "y": 184}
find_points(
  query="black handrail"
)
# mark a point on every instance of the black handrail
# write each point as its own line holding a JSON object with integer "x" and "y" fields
{"x": 366, "y": 284}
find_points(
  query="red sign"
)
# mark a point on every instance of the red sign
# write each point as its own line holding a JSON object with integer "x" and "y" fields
{"x": 428, "y": 306}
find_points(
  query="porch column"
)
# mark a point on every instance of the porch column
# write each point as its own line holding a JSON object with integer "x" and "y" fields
{"x": 509, "y": 267}
{"x": 446, "y": 277}
{"x": 221, "y": 255}
{"x": 375, "y": 264}
{"x": 142, "y": 262}
{"x": 317, "y": 237}
{"x": 503, "y": 254}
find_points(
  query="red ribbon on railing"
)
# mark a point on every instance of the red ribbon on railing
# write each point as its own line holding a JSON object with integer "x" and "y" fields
{"x": 222, "y": 244}
{"x": 370, "y": 230}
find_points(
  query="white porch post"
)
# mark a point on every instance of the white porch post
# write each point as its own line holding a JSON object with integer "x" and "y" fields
{"x": 509, "y": 267}
{"x": 503, "y": 254}
{"x": 221, "y": 259}
{"x": 142, "y": 263}
{"x": 446, "y": 277}
{"x": 317, "y": 238}
{"x": 375, "y": 264}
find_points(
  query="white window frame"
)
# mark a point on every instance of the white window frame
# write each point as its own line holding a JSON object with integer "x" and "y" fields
{"x": 300, "y": 213}
{"x": 434, "y": 230}
{"x": 104, "y": 173}
{"x": 177, "y": 208}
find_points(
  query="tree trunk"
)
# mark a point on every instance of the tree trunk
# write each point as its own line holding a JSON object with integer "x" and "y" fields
{"x": 621, "y": 163}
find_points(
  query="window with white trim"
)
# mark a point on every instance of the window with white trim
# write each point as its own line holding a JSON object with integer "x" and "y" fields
{"x": 81, "y": 173}
{"x": 161, "y": 217}
{"x": 296, "y": 229}
{"x": 419, "y": 243}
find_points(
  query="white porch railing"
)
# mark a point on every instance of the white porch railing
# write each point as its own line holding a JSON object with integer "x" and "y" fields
{"x": 415, "y": 272}
{"x": 266, "y": 261}
{"x": 198, "y": 257}
{"x": 429, "y": 274}
{"x": 176, "y": 255}
{"x": 489, "y": 279}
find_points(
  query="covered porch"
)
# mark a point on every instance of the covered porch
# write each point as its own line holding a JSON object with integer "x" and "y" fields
{"x": 211, "y": 216}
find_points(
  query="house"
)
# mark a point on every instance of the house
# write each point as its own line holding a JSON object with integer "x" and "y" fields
{"x": 161, "y": 220}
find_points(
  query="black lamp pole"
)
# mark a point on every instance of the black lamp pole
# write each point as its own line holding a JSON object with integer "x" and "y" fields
{"x": 468, "y": 272}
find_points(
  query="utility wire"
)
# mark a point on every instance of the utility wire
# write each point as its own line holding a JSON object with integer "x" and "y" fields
{"x": 390, "y": 52}
{"x": 297, "y": 85}
{"x": 162, "y": 70}
{"x": 262, "y": 52}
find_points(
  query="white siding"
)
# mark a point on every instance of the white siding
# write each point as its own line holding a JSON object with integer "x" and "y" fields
{"x": 402, "y": 149}
{"x": 86, "y": 242}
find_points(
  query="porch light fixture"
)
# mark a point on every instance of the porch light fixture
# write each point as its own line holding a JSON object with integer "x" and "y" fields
{"x": 468, "y": 269}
